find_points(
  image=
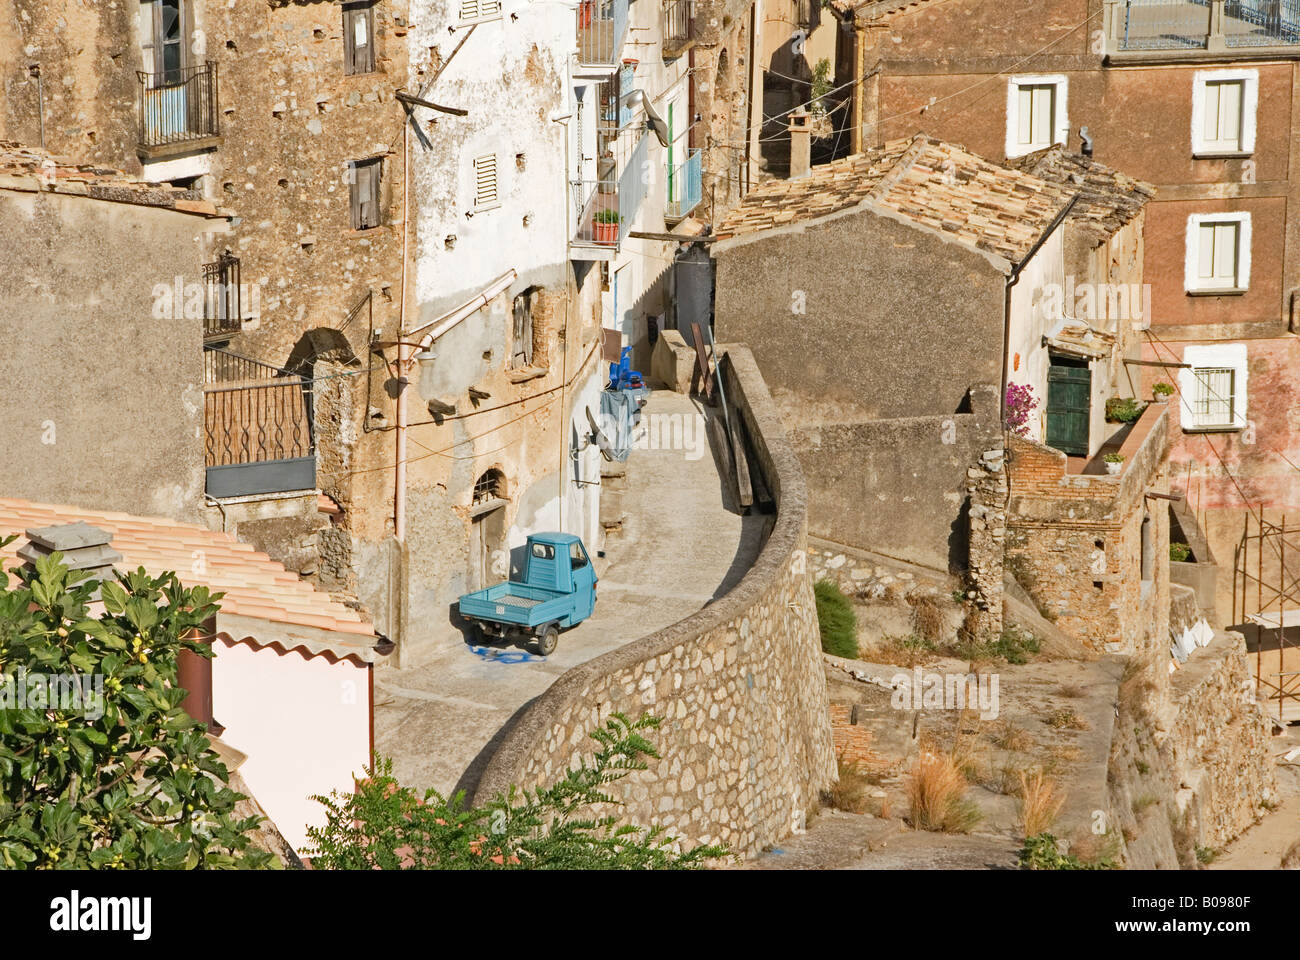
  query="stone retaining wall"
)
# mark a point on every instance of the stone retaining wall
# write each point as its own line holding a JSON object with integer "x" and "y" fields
{"x": 745, "y": 741}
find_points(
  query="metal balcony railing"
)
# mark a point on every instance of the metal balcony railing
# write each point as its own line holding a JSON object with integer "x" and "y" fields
{"x": 177, "y": 106}
{"x": 225, "y": 367}
{"x": 677, "y": 25}
{"x": 685, "y": 186}
{"x": 602, "y": 26}
{"x": 1211, "y": 25}
{"x": 604, "y": 210}
{"x": 222, "y": 310}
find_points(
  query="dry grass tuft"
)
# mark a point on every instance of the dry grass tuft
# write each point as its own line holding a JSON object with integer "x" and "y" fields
{"x": 1013, "y": 738}
{"x": 1040, "y": 802}
{"x": 1066, "y": 719}
{"x": 850, "y": 791}
{"x": 936, "y": 795}
{"x": 927, "y": 618}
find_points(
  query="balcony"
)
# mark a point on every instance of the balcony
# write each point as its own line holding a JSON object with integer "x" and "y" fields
{"x": 1143, "y": 30}
{"x": 179, "y": 111}
{"x": 221, "y": 301}
{"x": 604, "y": 210}
{"x": 685, "y": 187}
{"x": 601, "y": 27}
{"x": 257, "y": 429}
{"x": 678, "y": 28}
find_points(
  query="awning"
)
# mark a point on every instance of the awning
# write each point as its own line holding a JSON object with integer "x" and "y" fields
{"x": 1075, "y": 338}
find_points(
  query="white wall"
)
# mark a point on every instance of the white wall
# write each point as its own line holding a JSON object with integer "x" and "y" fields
{"x": 1031, "y": 320}
{"x": 304, "y": 724}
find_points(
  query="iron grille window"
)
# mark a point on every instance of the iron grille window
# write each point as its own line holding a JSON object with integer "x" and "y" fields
{"x": 221, "y": 306}
{"x": 1215, "y": 402}
{"x": 358, "y": 38}
{"x": 490, "y": 486}
{"x": 366, "y": 177}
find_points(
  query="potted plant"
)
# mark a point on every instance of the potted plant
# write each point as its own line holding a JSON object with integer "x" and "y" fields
{"x": 1114, "y": 463}
{"x": 1162, "y": 391}
{"x": 604, "y": 226}
{"x": 1123, "y": 409}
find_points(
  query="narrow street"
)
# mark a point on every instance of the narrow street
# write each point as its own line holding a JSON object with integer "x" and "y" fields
{"x": 436, "y": 721}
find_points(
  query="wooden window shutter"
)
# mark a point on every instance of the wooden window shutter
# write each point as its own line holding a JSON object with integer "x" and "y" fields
{"x": 485, "y": 181}
{"x": 365, "y": 194}
{"x": 358, "y": 38}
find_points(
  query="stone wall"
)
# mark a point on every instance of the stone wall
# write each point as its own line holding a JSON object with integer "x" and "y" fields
{"x": 1075, "y": 542}
{"x": 745, "y": 741}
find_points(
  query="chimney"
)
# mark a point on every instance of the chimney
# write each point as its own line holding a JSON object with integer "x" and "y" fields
{"x": 800, "y": 144}
{"x": 83, "y": 547}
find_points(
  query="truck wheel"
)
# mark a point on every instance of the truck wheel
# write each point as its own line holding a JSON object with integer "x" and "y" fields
{"x": 547, "y": 640}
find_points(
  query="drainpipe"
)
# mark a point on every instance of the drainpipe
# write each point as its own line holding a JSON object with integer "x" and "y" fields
{"x": 859, "y": 98}
{"x": 194, "y": 675}
{"x": 35, "y": 71}
{"x": 399, "y": 480}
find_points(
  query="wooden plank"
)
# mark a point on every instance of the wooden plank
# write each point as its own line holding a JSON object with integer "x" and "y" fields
{"x": 744, "y": 490}
{"x": 702, "y": 359}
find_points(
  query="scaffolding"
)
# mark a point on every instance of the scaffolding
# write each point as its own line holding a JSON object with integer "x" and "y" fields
{"x": 1271, "y": 602}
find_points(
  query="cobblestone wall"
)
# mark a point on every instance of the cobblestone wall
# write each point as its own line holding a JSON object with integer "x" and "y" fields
{"x": 745, "y": 740}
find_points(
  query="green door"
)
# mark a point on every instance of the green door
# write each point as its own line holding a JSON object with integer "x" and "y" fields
{"x": 1069, "y": 398}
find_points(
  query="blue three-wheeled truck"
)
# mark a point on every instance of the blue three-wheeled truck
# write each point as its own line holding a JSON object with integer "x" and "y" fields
{"x": 557, "y": 590}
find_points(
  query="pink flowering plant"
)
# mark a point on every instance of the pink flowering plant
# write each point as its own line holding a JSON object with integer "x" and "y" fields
{"x": 1020, "y": 404}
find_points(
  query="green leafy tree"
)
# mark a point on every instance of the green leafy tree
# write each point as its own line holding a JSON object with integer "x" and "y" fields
{"x": 384, "y": 825}
{"x": 124, "y": 779}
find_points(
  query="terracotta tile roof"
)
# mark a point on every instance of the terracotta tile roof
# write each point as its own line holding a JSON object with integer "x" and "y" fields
{"x": 935, "y": 184}
{"x": 255, "y": 586}
{"x": 1108, "y": 199}
{"x": 31, "y": 169}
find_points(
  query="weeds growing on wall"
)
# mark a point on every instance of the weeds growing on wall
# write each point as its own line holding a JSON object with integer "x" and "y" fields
{"x": 836, "y": 620}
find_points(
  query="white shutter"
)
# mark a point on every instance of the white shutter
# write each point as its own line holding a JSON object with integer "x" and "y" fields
{"x": 1044, "y": 115}
{"x": 1205, "y": 264}
{"x": 1225, "y": 253}
{"x": 485, "y": 181}
{"x": 1025, "y": 121}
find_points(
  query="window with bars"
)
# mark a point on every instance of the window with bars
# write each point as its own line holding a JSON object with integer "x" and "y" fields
{"x": 490, "y": 486}
{"x": 485, "y": 182}
{"x": 365, "y": 191}
{"x": 479, "y": 9}
{"x": 358, "y": 38}
{"x": 1214, "y": 404}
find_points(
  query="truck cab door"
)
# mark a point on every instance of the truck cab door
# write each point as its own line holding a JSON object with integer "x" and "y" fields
{"x": 584, "y": 581}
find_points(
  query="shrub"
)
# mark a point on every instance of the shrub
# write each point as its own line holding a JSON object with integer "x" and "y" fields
{"x": 122, "y": 779}
{"x": 1163, "y": 390}
{"x": 1179, "y": 552}
{"x": 1040, "y": 853}
{"x": 1124, "y": 409}
{"x": 850, "y": 791}
{"x": 836, "y": 620}
{"x": 927, "y": 618}
{"x": 1019, "y": 404}
{"x": 386, "y": 826}
{"x": 1113, "y": 457}
{"x": 936, "y": 796}
{"x": 1065, "y": 718}
{"x": 607, "y": 216}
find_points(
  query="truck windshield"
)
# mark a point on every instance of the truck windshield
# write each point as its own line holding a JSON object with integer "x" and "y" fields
{"x": 543, "y": 551}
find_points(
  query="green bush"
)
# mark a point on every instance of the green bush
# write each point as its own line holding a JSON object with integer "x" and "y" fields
{"x": 383, "y": 825}
{"x": 1124, "y": 409}
{"x": 836, "y": 619}
{"x": 118, "y": 777}
{"x": 1040, "y": 853}
{"x": 1179, "y": 552}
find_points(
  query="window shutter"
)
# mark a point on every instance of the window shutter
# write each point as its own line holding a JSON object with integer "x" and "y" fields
{"x": 1225, "y": 252}
{"x": 1205, "y": 266}
{"x": 485, "y": 181}
{"x": 1026, "y": 115}
{"x": 1044, "y": 119}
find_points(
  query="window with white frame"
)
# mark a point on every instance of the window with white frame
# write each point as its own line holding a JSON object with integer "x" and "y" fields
{"x": 1223, "y": 112}
{"x": 1218, "y": 253}
{"x": 1213, "y": 387}
{"x": 1037, "y": 114}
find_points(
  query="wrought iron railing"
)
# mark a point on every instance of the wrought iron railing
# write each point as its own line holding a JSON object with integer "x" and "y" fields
{"x": 222, "y": 309}
{"x": 685, "y": 186}
{"x": 1262, "y": 23}
{"x": 223, "y": 366}
{"x": 596, "y": 214}
{"x": 179, "y": 105}
{"x": 258, "y": 421}
{"x": 602, "y": 25}
{"x": 678, "y": 20}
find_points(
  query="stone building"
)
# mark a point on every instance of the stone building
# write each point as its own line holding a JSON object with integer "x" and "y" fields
{"x": 103, "y": 371}
{"x": 893, "y": 397}
{"x": 1195, "y": 97}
